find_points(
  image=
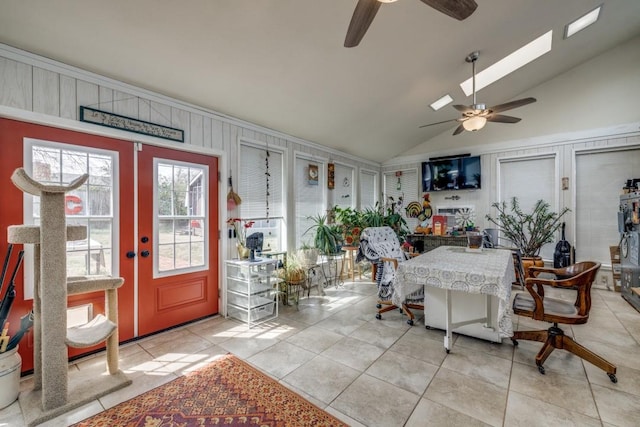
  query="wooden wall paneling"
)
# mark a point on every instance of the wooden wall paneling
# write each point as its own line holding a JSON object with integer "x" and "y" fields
{"x": 105, "y": 102}
{"x": 216, "y": 134}
{"x": 180, "y": 120}
{"x": 46, "y": 92}
{"x": 227, "y": 144}
{"x": 196, "y": 130}
{"x": 160, "y": 113}
{"x": 68, "y": 98}
{"x": 125, "y": 104}
{"x": 87, "y": 95}
{"x": 16, "y": 84}
{"x": 206, "y": 131}
{"x": 144, "y": 109}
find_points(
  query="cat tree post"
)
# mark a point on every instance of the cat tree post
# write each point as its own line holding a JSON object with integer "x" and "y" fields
{"x": 51, "y": 395}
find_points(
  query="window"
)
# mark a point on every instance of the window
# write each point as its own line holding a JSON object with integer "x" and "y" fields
{"x": 180, "y": 210}
{"x": 262, "y": 204}
{"x": 368, "y": 189}
{"x": 90, "y": 205}
{"x": 600, "y": 177}
{"x": 530, "y": 179}
{"x": 400, "y": 188}
{"x": 309, "y": 198}
{"x": 343, "y": 193}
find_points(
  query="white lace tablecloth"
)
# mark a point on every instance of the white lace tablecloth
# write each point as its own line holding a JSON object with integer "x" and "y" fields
{"x": 487, "y": 272}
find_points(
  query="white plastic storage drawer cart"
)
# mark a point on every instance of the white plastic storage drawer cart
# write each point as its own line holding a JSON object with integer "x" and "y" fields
{"x": 251, "y": 290}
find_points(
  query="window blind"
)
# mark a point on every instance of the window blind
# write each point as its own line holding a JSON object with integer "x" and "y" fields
{"x": 530, "y": 179}
{"x": 309, "y": 198}
{"x": 368, "y": 189}
{"x": 600, "y": 177}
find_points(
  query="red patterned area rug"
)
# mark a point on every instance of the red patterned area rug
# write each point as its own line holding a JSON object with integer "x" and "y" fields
{"x": 226, "y": 392}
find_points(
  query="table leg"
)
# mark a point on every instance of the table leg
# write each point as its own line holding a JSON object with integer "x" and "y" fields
{"x": 448, "y": 338}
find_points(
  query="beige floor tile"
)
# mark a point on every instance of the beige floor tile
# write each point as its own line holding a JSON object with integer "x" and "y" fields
{"x": 567, "y": 392}
{"x": 353, "y": 353}
{"x": 403, "y": 371}
{"x": 281, "y": 359}
{"x": 420, "y": 347}
{"x": 361, "y": 401}
{"x": 245, "y": 347}
{"x": 378, "y": 334}
{"x": 479, "y": 365}
{"x": 616, "y": 407}
{"x": 560, "y": 361}
{"x": 434, "y": 414}
{"x": 503, "y": 350}
{"x": 628, "y": 379}
{"x": 309, "y": 315}
{"x": 75, "y": 415}
{"x": 322, "y": 378}
{"x": 475, "y": 398}
{"x": 315, "y": 339}
{"x": 140, "y": 385}
{"x": 525, "y": 411}
{"x": 344, "y": 322}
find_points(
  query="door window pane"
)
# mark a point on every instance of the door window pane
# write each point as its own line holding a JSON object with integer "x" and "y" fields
{"x": 90, "y": 205}
{"x": 181, "y": 212}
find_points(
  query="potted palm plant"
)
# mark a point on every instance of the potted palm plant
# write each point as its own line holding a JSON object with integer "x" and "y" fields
{"x": 327, "y": 236}
{"x": 527, "y": 231}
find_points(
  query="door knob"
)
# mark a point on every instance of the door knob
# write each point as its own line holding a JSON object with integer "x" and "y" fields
{"x": 131, "y": 254}
{"x": 144, "y": 254}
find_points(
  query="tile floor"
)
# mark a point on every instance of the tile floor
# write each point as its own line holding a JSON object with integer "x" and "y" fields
{"x": 371, "y": 372}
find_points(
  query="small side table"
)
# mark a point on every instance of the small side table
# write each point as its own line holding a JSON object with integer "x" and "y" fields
{"x": 348, "y": 264}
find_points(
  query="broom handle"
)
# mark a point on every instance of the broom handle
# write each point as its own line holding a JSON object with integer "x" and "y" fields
{"x": 6, "y": 265}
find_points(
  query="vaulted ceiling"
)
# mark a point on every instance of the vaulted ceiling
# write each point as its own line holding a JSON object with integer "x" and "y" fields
{"x": 282, "y": 64}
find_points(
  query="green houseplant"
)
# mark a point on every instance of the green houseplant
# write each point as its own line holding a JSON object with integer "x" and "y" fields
{"x": 527, "y": 231}
{"x": 327, "y": 236}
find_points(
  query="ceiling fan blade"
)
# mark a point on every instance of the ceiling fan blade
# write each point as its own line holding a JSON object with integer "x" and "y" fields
{"x": 458, "y": 9}
{"x": 513, "y": 104}
{"x": 463, "y": 108}
{"x": 458, "y": 130}
{"x": 362, "y": 17}
{"x": 499, "y": 118}
{"x": 439, "y": 123}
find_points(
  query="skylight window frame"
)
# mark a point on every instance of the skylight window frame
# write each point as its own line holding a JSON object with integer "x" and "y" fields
{"x": 510, "y": 63}
{"x": 441, "y": 102}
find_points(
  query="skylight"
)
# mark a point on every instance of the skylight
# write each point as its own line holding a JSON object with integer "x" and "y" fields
{"x": 510, "y": 63}
{"x": 582, "y": 22}
{"x": 441, "y": 102}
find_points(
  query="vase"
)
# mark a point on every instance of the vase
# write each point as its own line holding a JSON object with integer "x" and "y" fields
{"x": 243, "y": 251}
{"x": 10, "y": 364}
{"x": 531, "y": 262}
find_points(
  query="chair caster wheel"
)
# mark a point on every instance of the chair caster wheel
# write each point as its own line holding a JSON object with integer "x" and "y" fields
{"x": 447, "y": 350}
{"x": 541, "y": 369}
{"x": 613, "y": 378}
{"x": 515, "y": 343}
{"x": 410, "y": 322}
{"x": 378, "y": 306}
{"x": 378, "y": 316}
{"x": 400, "y": 310}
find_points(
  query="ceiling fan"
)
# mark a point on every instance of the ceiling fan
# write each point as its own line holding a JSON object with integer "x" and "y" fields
{"x": 366, "y": 10}
{"x": 475, "y": 116}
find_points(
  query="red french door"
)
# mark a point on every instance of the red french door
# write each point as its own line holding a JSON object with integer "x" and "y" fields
{"x": 177, "y": 238}
{"x": 49, "y": 149}
{"x": 177, "y": 234}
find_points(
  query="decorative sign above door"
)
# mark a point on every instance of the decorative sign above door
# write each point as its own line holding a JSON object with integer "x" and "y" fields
{"x": 103, "y": 118}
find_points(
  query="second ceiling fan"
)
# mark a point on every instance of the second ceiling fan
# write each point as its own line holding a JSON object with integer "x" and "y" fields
{"x": 475, "y": 116}
{"x": 366, "y": 10}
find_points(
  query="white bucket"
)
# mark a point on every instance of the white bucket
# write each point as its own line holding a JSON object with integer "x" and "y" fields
{"x": 10, "y": 364}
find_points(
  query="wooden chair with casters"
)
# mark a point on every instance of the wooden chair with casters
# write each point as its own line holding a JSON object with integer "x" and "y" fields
{"x": 381, "y": 247}
{"x": 534, "y": 304}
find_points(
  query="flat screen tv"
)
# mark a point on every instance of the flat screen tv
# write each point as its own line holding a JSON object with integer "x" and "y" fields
{"x": 459, "y": 173}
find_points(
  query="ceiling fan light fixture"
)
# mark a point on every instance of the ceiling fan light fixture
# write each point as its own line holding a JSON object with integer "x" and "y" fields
{"x": 474, "y": 123}
{"x": 387, "y": 1}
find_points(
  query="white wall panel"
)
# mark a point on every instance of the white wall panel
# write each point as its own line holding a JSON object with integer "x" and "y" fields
{"x": 16, "y": 84}
{"x": 68, "y": 106}
{"x": 46, "y": 92}
{"x": 105, "y": 102}
{"x": 125, "y": 104}
{"x": 87, "y": 94}
{"x": 196, "y": 130}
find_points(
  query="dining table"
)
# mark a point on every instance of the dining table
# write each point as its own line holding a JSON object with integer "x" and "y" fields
{"x": 486, "y": 271}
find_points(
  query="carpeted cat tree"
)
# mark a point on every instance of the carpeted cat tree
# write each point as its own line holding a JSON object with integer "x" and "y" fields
{"x": 53, "y": 392}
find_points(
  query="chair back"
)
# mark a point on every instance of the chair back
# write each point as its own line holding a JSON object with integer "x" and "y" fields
{"x": 379, "y": 242}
